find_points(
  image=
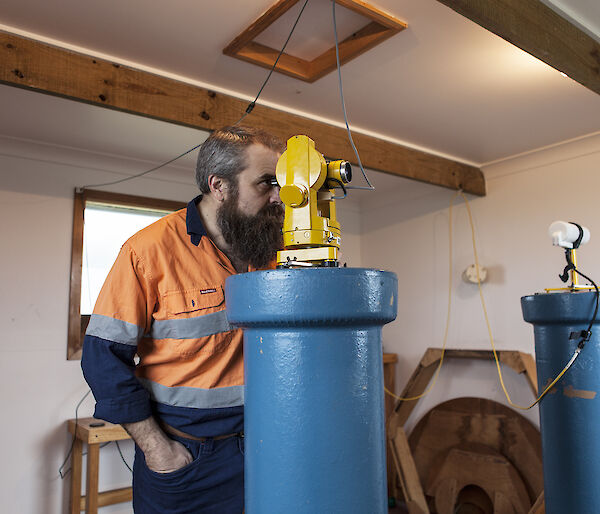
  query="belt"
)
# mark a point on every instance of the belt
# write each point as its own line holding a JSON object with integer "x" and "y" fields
{"x": 174, "y": 431}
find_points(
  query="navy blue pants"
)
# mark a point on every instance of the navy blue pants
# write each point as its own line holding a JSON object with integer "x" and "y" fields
{"x": 213, "y": 483}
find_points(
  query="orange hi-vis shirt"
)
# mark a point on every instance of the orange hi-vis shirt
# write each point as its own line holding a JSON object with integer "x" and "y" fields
{"x": 164, "y": 301}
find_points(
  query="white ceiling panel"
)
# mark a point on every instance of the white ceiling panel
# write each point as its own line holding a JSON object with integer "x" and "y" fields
{"x": 444, "y": 84}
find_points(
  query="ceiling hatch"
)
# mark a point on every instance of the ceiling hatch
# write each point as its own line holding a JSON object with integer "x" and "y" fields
{"x": 310, "y": 54}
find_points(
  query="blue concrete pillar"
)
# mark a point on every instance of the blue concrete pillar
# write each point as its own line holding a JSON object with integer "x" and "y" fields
{"x": 314, "y": 415}
{"x": 570, "y": 413}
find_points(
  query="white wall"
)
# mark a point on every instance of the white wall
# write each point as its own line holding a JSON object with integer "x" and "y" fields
{"x": 524, "y": 195}
{"x": 40, "y": 387}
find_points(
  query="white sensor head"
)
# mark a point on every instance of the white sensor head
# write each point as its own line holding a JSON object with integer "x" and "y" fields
{"x": 564, "y": 234}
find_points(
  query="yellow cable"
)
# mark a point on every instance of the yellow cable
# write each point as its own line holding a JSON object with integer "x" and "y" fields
{"x": 487, "y": 321}
{"x": 439, "y": 367}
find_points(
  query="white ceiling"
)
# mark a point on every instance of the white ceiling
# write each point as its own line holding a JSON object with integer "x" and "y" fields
{"x": 444, "y": 84}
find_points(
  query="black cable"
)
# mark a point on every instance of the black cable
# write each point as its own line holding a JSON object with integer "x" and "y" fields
{"x": 123, "y": 458}
{"x": 60, "y": 470}
{"x": 79, "y": 190}
{"x": 253, "y": 103}
{"x": 248, "y": 111}
{"x": 586, "y": 336}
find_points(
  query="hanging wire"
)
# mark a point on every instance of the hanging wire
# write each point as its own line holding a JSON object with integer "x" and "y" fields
{"x": 249, "y": 109}
{"x": 82, "y": 188}
{"x": 253, "y": 103}
{"x": 585, "y": 334}
{"x": 62, "y": 466}
{"x": 123, "y": 458}
{"x": 439, "y": 366}
{"x": 339, "y": 73}
{"x": 487, "y": 322}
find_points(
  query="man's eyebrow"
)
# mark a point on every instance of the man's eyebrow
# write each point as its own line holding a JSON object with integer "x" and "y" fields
{"x": 266, "y": 176}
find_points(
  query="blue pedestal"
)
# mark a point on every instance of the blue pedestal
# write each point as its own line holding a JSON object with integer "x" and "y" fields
{"x": 314, "y": 410}
{"x": 570, "y": 414}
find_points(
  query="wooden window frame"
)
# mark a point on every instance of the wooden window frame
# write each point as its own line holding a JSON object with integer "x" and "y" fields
{"x": 77, "y": 322}
{"x": 381, "y": 26}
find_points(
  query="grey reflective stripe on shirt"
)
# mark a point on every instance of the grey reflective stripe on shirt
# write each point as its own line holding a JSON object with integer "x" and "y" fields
{"x": 113, "y": 329}
{"x": 195, "y": 397}
{"x": 191, "y": 328}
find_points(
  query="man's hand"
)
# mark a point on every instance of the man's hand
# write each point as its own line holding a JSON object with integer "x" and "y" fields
{"x": 168, "y": 457}
{"x": 163, "y": 455}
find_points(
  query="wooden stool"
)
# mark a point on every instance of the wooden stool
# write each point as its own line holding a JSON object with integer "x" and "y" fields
{"x": 94, "y": 436}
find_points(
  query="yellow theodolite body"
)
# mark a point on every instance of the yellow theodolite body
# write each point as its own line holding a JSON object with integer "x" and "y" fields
{"x": 311, "y": 232}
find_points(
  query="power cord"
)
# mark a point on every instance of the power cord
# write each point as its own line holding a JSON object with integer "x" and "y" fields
{"x": 253, "y": 103}
{"x": 583, "y": 335}
{"x": 61, "y": 471}
{"x": 439, "y": 367}
{"x": 249, "y": 109}
{"x": 62, "y": 466}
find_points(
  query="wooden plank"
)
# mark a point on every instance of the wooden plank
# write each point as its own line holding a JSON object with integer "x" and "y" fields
{"x": 539, "y": 507}
{"x": 40, "y": 67}
{"x": 539, "y": 31}
{"x": 407, "y": 472}
{"x": 111, "y": 497}
{"x": 74, "y": 339}
{"x": 373, "y": 13}
{"x": 74, "y": 503}
{"x": 390, "y": 358}
{"x": 416, "y": 385}
{"x": 78, "y": 323}
{"x": 520, "y": 362}
{"x": 530, "y": 371}
{"x": 265, "y": 56}
{"x": 142, "y": 202}
{"x": 351, "y": 47}
{"x": 105, "y": 433}
{"x": 91, "y": 489}
{"x": 258, "y": 26}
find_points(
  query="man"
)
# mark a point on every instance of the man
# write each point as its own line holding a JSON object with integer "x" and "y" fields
{"x": 164, "y": 302}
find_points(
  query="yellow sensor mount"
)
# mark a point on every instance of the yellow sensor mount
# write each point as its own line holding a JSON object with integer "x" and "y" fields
{"x": 311, "y": 231}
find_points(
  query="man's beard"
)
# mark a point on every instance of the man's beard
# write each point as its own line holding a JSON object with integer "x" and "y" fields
{"x": 252, "y": 239}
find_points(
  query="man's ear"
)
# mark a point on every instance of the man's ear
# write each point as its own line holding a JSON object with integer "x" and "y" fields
{"x": 218, "y": 187}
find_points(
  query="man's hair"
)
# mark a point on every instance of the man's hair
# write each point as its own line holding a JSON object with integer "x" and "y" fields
{"x": 224, "y": 153}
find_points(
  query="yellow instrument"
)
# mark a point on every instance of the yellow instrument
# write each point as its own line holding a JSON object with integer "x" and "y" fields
{"x": 311, "y": 232}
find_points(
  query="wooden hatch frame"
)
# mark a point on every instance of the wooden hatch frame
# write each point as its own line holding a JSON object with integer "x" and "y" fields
{"x": 381, "y": 27}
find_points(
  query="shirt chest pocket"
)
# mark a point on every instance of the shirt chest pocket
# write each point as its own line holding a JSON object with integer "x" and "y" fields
{"x": 194, "y": 302}
{"x": 196, "y": 321}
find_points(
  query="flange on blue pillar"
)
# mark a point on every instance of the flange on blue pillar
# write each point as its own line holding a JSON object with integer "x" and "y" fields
{"x": 569, "y": 415}
{"x": 314, "y": 409}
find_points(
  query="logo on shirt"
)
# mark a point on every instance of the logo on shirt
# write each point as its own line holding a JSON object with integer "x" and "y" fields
{"x": 206, "y": 291}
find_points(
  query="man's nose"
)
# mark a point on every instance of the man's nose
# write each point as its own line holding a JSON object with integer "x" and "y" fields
{"x": 274, "y": 197}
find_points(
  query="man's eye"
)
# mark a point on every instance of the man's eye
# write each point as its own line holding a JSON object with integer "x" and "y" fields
{"x": 269, "y": 182}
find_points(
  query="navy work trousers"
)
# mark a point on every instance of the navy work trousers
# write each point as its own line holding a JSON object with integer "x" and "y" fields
{"x": 213, "y": 483}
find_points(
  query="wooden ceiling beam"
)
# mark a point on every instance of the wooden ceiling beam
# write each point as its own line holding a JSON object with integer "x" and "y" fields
{"x": 47, "y": 69}
{"x": 539, "y": 31}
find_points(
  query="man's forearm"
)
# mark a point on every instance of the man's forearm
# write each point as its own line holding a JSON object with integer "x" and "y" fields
{"x": 162, "y": 453}
{"x": 146, "y": 434}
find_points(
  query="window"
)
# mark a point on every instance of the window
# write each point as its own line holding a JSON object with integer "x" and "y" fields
{"x": 110, "y": 219}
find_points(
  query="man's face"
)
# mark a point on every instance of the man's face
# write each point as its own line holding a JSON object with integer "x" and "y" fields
{"x": 251, "y": 216}
{"x": 254, "y": 183}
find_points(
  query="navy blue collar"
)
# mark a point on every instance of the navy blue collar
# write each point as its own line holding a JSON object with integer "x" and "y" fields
{"x": 193, "y": 223}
